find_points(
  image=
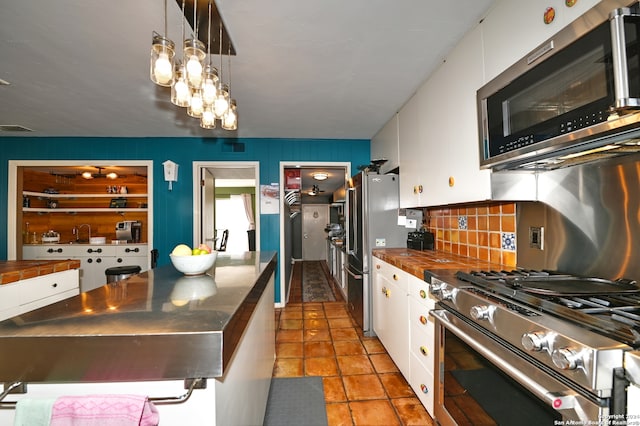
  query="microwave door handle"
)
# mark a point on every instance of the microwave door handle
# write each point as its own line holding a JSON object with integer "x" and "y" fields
{"x": 619, "y": 59}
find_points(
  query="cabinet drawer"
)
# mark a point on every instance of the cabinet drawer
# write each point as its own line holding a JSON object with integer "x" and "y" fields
{"x": 48, "y": 285}
{"x": 422, "y": 383}
{"x": 391, "y": 273}
{"x": 33, "y": 293}
{"x": 419, "y": 289}
{"x": 422, "y": 329}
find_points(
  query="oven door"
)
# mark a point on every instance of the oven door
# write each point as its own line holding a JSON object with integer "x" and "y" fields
{"x": 480, "y": 380}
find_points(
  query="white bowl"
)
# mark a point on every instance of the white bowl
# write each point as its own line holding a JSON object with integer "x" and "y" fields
{"x": 194, "y": 265}
{"x": 97, "y": 240}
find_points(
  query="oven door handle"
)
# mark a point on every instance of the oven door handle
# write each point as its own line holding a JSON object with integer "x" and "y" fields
{"x": 564, "y": 400}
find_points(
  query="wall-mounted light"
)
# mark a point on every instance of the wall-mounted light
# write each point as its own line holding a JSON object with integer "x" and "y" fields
{"x": 320, "y": 175}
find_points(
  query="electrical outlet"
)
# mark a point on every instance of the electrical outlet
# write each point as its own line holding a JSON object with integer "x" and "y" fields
{"x": 536, "y": 237}
{"x": 381, "y": 242}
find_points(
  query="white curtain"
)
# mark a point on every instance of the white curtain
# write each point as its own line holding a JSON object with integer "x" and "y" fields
{"x": 246, "y": 200}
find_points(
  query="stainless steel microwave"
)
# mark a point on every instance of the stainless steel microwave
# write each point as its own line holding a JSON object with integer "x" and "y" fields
{"x": 574, "y": 98}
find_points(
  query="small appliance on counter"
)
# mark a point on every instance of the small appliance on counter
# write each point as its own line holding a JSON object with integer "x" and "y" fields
{"x": 129, "y": 230}
{"x": 420, "y": 240}
{"x": 50, "y": 237}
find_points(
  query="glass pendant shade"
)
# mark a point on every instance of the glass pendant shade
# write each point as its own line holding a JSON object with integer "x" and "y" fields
{"x": 194, "y": 56}
{"x": 230, "y": 118}
{"x": 180, "y": 95}
{"x": 207, "y": 120}
{"x": 162, "y": 54}
{"x": 221, "y": 103}
{"x": 210, "y": 85}
{"x": 195, "y": 105}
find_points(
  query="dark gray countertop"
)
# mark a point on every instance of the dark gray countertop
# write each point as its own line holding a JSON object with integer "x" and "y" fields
{"x": 157, "y": 325}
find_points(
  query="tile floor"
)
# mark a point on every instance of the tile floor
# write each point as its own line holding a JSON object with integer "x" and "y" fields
{"x": 362, "y": 385}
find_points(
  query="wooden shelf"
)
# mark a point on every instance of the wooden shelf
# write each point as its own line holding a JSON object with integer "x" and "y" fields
{"x": 106, "y": 195}
{"x": 83, "y": 209}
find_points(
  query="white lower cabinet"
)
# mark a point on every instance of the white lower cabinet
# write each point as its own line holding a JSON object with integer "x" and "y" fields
{"x": 401, "y": 320}
{"x": 94, "y": 259}
{"x": 390, "y": 312}
{"x": 29, "y": 294}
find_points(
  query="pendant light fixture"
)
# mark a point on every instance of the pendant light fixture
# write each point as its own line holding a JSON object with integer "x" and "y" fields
{"x": 209, "y": 85}
{"x": 230, "y": 116}
{"x": 180, "y": 95}
{"x": 195, "y": 83}
{"x": 162, "y": 53}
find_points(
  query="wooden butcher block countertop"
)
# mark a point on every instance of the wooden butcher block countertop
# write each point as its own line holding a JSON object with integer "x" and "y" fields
{"x": 416, "y": 262}
{"x": 16, "y": 270}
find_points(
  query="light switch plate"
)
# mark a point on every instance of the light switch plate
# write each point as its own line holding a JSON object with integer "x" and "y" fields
{"x": 381, "y": 242}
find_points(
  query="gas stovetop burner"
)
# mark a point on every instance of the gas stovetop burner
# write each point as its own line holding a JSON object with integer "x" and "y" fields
{"x": 607, "y": 307}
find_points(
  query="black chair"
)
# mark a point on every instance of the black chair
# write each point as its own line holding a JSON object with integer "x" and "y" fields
{"x": 223, "y": 241}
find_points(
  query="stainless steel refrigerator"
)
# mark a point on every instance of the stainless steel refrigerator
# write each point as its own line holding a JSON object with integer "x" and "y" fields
{"x": 373, "y": 201}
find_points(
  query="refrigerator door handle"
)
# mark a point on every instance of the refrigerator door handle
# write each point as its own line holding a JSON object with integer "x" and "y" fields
{"x": 356, "y": 276}
{"x": 353, "y": 212}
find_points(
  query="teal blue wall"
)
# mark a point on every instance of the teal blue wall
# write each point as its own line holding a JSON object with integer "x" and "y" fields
{"x": 172, "y": 211}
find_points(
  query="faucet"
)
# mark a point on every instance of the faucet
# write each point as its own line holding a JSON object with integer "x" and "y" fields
{"x": 76, "y": 231}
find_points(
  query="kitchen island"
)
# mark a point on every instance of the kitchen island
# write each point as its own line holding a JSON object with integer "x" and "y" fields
{"x": 150, "y": 334}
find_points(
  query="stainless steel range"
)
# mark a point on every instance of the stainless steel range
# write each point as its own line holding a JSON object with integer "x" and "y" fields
{"x": 533, "y": 347}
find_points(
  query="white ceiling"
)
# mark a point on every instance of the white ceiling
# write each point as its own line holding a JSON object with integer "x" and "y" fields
{"x": 304, "y": 69}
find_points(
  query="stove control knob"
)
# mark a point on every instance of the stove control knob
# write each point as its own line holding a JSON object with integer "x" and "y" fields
{"x": 566, "y": 358}
{"x": 447, "y": 294}
{"x": 535, "y": 341}
{"x": 480, "y": 312}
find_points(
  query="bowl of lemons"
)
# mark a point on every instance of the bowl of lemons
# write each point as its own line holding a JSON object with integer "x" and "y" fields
{"x": 193, "y": 261}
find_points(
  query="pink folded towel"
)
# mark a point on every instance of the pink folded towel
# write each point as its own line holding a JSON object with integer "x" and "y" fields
{"x": 104, "y": 410}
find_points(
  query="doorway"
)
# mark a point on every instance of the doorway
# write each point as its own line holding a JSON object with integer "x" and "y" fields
{"x": 308, "y": 190}
{"x": 219, "y": 205}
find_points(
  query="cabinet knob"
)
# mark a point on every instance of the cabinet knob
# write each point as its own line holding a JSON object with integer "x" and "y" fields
{"x": 89, "y": 260}
{"x": 423, "y": 320}
{"x": 424, "y": 351}
{"x": 54, "y": 285}
{"x": 395, "y": 277}
{"x": 377, "y": 266}
{"x": 386, "y": 291}
{"x": 98, "y": 260}
{"x": 119, "y": 260}
{"x": 423, "y": 294}
{"x": 135, "y": 250}
{"x": 424, "y": 388}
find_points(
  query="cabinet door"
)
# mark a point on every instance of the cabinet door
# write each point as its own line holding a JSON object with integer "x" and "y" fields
{"x": 449, "y": 129}
{"x": 133, "y": 255}
{"x": 410, "y": 153}
{"x": 385, "y": 145}
{"x": 514, "y": 28}
{"x": 390, "y": 312}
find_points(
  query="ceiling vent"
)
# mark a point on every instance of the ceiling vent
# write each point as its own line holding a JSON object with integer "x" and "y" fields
{"x": 13, "y": 128}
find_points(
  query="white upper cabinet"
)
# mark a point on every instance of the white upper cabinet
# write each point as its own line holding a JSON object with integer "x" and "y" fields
{"x": 439, "y": 161}
{"x": 513, "y": 28}
{"x": 385, "y": 145}
{"x": 411, "y": 151}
